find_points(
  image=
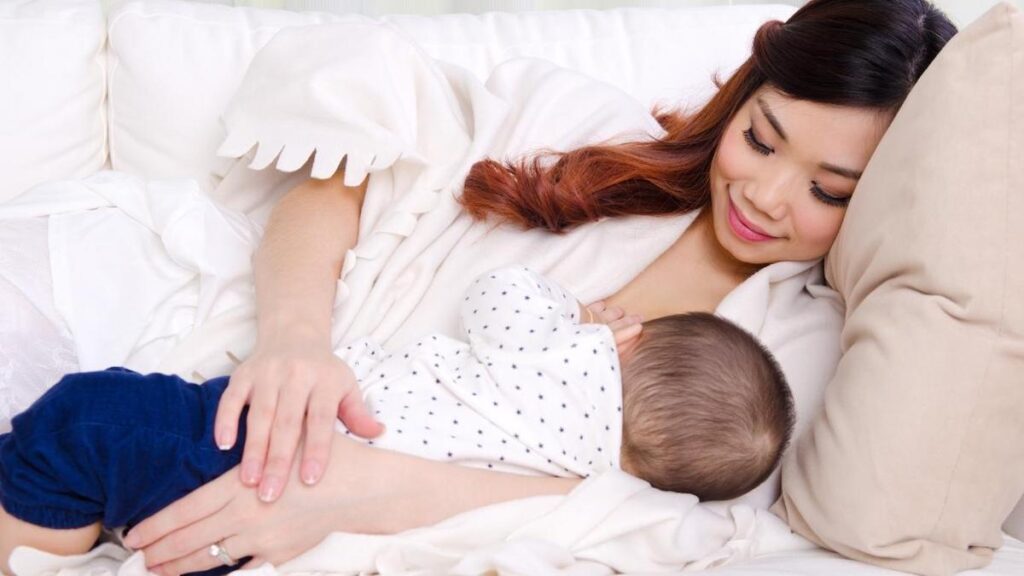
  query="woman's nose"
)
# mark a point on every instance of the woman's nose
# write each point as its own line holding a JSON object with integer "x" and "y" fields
{"x": 769, "y": 197}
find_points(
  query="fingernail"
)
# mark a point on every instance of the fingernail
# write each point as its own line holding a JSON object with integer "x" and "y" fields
{"x": 251, "y": 472}
{"x": 311, "y": 472}
{"x": 269, "y": 489}
{"x": 131, "y": 540}
{"x": 222, "y": 440}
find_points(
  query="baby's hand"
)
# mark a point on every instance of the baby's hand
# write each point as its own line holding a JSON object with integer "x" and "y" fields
{"x": 623, "y": 327}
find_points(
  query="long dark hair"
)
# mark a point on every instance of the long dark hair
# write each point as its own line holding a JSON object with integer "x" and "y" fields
{"x": 862, "y": 53}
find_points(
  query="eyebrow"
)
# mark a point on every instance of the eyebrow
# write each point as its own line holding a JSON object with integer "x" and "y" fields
{"x": 844, "y": 172}
{"x": 774, "y": 121}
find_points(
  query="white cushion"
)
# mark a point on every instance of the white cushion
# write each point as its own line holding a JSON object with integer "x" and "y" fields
{"x": 51, "y": 106}
{"x": 175, "y": 65}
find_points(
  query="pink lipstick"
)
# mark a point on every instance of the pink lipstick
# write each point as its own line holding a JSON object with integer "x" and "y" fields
{"x": 745, "y": 229}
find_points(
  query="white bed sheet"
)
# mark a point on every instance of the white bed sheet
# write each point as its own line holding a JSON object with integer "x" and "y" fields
{"x": 1007, "y": 561}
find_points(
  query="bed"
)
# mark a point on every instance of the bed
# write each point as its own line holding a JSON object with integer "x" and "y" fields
{"x": 141, "y": 90}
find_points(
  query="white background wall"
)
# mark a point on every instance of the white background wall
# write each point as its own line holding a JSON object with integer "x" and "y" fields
{"x": 961, "y": 11}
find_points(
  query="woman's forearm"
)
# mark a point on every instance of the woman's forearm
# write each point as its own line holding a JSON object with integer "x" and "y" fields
{"x": 376, "y": 491}
{"x": 396, "y": 492}
{"x": 436, "y": 491}
{"x": 300, "y": 257}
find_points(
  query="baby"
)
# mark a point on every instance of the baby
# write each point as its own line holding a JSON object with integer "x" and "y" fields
{"x": 694, "y": 404}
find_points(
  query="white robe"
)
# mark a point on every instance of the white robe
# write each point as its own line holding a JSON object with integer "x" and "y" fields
{"x": 365, "y": 93}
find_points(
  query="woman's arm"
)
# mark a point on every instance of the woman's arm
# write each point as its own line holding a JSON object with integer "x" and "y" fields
{"x": 427, "y": 491}
{"x": 364, "y": 490}
{"x": 292, "y": 377}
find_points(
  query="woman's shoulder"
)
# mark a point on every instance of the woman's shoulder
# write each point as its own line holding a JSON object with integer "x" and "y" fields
{"x": 561, "y": 108}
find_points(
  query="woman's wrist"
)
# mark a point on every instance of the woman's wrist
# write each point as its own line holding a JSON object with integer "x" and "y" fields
{"x": 291, "y": 331}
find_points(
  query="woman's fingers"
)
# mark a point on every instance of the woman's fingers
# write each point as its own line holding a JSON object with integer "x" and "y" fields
{"x": 320, "y": 418}
{"x": 353, "y": 413}
{"x": 189, "y": 546}
{"x": 200, "y": 559}
{"x": 261, "y": 416}
{"x": 230, "y": 409}
{"x": 205, "y": 501}
{"x": 284, "y": 439}
{"x": 253, "y": 563}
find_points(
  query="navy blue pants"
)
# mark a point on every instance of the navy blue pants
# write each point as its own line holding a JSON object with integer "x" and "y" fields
{"x": 114, "y": 446}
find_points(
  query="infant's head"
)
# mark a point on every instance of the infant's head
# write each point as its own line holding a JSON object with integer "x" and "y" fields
{"x": 706, "y": 409}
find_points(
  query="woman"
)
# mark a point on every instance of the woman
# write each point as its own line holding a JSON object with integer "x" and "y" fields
{"x": 773, "y": 157}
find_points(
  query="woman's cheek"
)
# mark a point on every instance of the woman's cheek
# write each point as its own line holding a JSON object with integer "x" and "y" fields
{"x": 730, "y": 159}
{"x": 817, "y": 228}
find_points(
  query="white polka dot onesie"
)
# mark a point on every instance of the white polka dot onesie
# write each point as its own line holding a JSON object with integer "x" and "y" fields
{"x": 530, "y": 391}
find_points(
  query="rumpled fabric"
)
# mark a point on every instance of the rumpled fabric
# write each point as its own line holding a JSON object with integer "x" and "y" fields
{"x": 613, "y": 524}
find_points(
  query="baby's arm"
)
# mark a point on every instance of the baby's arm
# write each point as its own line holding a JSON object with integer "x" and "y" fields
{"x": 533, "y": 298}
{"x": 508, "y": 305}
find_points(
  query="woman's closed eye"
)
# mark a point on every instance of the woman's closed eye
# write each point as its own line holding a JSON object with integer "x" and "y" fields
{"x": 820, "y": 194}
{"x": 756, "y": 144}
{"x": 839, "y": 201}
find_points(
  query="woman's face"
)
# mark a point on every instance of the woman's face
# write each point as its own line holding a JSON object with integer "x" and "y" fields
{"x": 784, "y": 172}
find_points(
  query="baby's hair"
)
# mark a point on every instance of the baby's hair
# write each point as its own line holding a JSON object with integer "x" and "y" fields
{"x": 706, "y": 408}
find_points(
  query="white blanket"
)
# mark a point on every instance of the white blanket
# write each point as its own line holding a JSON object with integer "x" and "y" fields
{"x": 155, "y": 276}
{"x": 614, "y": 524}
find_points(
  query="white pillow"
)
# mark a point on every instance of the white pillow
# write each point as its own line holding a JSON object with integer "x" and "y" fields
{"x": 175, "y": 65}
{"x": 51, "y": 106}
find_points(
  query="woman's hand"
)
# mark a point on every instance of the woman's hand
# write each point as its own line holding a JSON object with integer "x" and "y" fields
{"x": 288, "y": 381}
{"x": 364, "y": 490}
{"x": 176, "y": 540}
{"x": 624, "y": 328}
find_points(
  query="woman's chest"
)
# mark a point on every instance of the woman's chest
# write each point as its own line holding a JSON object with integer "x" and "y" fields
{"x": 591, "y": 263}
{"x": 681, "y": 280}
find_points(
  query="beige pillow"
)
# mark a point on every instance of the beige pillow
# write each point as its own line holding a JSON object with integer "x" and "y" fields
{"x": 917, "y": 457}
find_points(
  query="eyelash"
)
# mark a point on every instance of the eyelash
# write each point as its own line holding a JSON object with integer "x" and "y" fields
{"x": 816, "y": 190}
{"x": 751, "y": 139}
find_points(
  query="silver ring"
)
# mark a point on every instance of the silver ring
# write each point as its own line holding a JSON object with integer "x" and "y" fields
{"x": 217, "y": 551}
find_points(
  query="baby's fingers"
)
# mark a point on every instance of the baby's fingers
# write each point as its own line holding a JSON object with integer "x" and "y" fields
{"x": 626, "y": 328}
{"x": 626, "y": 334}
{"x": 625, "y": 322}
{"x": 604, "y": 314}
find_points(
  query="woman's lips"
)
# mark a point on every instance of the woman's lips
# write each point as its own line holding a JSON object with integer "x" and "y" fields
{"x": 744, "y": 229}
